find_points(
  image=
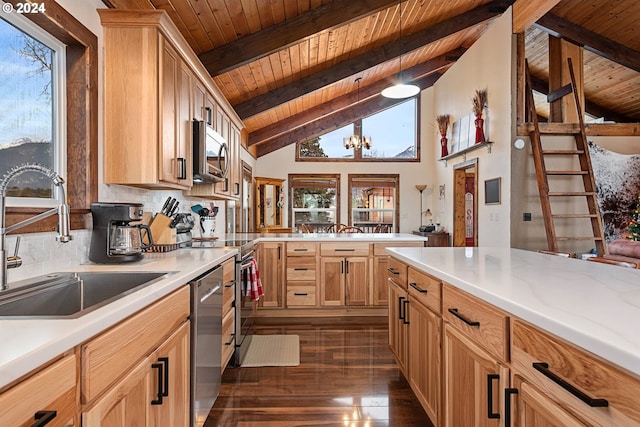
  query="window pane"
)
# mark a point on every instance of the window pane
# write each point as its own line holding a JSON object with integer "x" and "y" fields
{"x": 314, "y": 201}
{"x": 373, "y": 201}
{"x": 392, "y": 131}
{"x": 329, "y": 145}
{"x": 26, "y": 108}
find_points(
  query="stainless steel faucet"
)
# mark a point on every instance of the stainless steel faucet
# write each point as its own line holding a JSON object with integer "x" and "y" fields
{"x": 62, "y": 210}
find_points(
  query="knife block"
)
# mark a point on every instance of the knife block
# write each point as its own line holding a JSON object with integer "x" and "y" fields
{"x": 161, "y": 233}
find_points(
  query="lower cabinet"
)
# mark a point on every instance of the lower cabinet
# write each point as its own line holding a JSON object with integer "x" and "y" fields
{"x": 49, "y": 396}
{"x": 270, "y": 258}
{"x": 228, "y": 310}
{"x": 398, "y": 330}
{"x": 344, "y": 281}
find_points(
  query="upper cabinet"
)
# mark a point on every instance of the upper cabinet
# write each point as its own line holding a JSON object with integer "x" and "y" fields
{"x": 155, "y": 87}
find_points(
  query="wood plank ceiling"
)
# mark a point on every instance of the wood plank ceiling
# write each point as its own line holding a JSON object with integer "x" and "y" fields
{"x": 288, "y": 67}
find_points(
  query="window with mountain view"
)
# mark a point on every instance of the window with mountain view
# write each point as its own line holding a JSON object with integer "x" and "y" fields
{"x": 30, "y": 105}
{"x": 393, "y": 132}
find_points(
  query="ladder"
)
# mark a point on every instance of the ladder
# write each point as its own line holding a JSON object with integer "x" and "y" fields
{"x": 587, "y": 189}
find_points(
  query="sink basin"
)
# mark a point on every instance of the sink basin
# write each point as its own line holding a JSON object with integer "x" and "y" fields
{"x": 70, "y": 295}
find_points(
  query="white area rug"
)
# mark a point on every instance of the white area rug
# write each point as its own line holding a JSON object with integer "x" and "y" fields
{"x": 272, "y": 350}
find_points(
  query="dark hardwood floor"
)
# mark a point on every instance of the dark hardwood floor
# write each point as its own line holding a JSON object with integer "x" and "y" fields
{"x": 347, "y": 377}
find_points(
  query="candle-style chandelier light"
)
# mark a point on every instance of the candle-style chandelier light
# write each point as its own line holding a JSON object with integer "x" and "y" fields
{"x": 357, "y": 140}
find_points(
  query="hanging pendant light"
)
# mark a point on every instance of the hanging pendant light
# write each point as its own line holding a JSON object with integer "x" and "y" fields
{"x": 357, "y": 140}
{"x": 400, "y": 90}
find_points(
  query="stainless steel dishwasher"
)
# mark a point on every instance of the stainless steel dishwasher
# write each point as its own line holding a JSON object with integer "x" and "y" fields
{"x": 206, "y": 343}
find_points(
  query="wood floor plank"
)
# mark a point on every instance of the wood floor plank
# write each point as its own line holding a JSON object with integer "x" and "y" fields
{"x": 347, "y": 376}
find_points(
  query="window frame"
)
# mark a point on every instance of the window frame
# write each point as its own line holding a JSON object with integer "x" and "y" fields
{"x": 357, "y": 153}
{"x": 82, "y": 104}
{"x": 293, "y": 177}
{"x": 383, "y": 177}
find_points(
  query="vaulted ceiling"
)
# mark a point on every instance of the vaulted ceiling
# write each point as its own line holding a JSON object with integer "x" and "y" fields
{"x": 288, "y": 67}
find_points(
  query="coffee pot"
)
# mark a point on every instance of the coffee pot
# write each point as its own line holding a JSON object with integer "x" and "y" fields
{"x": 115, "y": 239}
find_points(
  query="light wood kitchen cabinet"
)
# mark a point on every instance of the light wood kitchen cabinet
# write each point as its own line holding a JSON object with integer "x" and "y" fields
{"x": 398, "y": 324}
{"x": 228, "y": 310}
{"x": 425, "y": 341}
{"x": 344, "y": 274}
{"x": 380, "y": 262}
{"x": 270, "y": 258}
{"x": 301, "y": 275}
{"x": 147, "y": 102}
{"x": 583, "y": 387}
{"x": 48, "y": 394}
{"x": 127, "y": 369}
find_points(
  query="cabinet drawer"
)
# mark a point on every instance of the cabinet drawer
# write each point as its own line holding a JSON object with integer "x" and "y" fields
{"x": 397, "y": 272}
{"x": 228, "y": 284}
{"x": 111, "y": 354}
{"x": 344, "y": 249}
{"x": 301, "y": 268}
{"x": 425, "y": 289}
{"x": 228, "y": 337}
{"x": 484, "y": 323}
{"x": 301, "y": 295}
{"x": 577, "y": 368}
{"x": 379, "y": 248}
{"x": 301, "y": 249}
{"x": 51, "y": 389}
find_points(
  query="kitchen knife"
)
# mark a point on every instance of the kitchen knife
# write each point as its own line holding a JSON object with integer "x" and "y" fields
{"x": 174, "y": 208}
{"x": 170, "y": 207}
{"x": 165, "y": 206}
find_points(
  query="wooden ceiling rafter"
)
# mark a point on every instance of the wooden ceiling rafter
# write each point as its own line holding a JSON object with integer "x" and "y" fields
{"x": 339, "y": 119}
{"x": 439, "y": 63}
{"x": 277, "y": 37}
{"x": 590, "y": 41}
{"x": 371, "y": 58}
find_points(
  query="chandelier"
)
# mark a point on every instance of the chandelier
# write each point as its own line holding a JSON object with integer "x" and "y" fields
{"x": 357, "y": 140}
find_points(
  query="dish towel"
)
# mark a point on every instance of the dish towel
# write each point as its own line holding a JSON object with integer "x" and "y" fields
{"x": 253, "y": 285}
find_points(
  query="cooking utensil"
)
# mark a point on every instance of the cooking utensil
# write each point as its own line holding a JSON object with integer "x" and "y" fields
{"x": 170, "y": 207}
{"x": 204, "y": 212}
{"x": 166, "y": 205}
{"x": 174, "y": 208}
{"x": 215, "y": 210}
{"x": 196, "y": 209}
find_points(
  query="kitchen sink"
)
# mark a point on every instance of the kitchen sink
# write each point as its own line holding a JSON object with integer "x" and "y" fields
{"x": 71, "y": 294}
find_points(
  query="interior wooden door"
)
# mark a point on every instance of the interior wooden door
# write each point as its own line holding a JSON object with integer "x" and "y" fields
{"x": 465, "y": 204}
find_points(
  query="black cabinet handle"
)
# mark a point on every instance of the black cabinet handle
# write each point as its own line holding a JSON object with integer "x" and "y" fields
{"x": 490, "y": 413}
{"x": 415, "y": 286}
{"x": 182, "y": 162}
{"x": 300, "y": 294}
{"x": 209, "y": 115}
{"x": 159, "y": 367}
{"x": 43, "y": 417}
{"x": 344, "y": 250}
{"x": 236, "y": 187}
{"x": 593, "y": 402}
{"x": 346, "y": 265}
{"x": 454, "y": 311}
{"x": 342, "y": 267}
{"x": 300, "y": 269}
{"x": 300, "y": 250}
{"x": 392, "y": 271}
{"x": 233, "y": 338}
{"x": 400, "y": 305}
{"x": 405, "y": 303}
{"x": 230, "y": 284}
{"x": 507, "y": 405}
{"x": 165, "y": 361}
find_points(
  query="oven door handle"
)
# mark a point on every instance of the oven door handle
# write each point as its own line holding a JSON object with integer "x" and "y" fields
{"x": 247, "y": 264}
{"x": 209, "y": 293}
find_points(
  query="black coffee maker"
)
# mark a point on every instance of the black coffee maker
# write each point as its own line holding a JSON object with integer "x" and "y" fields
{"x": 114, "y": 238}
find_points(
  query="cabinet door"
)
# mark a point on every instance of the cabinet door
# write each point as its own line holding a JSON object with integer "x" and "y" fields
{"x": 173, "y": 410}
{"x": 425, "y": 364}
{"x": 184, "y": 141}
{"x": 533, "y": 409}
{"x": 398, "y": 339}
{"x": 332, "y": 281}
{"x": 270, "y": 259}
{"x": 356, "y": 273}
{"x": 469, "y": 373}
{"x": 379, "y": 293}
{"x": 224, "y": 188}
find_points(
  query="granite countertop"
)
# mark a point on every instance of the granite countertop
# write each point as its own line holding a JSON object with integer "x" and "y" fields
{"x": 593, "y": 305}
{"x": 29, "y": 343}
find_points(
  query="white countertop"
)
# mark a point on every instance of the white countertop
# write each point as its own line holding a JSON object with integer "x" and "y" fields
{"x": 28, "y": 343}
{"x": 593, "y": 305}
{"x": 323, "y": 237}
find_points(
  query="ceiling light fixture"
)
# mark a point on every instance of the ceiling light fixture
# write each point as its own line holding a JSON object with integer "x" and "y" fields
{"x": 400, "y": 89}
{"x": 357, "y": 140}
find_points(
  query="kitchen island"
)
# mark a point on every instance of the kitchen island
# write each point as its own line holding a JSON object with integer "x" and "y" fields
{"x": 535, "y": 324}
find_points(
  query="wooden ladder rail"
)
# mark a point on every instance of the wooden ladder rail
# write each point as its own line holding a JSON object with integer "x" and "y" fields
{"x": 586, "y": 172}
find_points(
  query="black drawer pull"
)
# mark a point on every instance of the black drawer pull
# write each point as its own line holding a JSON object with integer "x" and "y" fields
{"x": 43, "y": 417}
{"x": 230, "y": 284}
{"x": 159, "y": 367}
{"x": 507, "y": 405}
{"x": 182, "y": 173}
{"x": 454, "y": 311}
{"x": 300, "y": 269}
{"x": 392, "y": 271}
{"x": 400, "y": 315}
{"x": 344, "y": 250}
{"x": 594, "y": 403}
{"x": 300, "y": 249}
{"x": 405, "y": 303}
{"x": 490, "y": 413}
{"x": 415, "y": 286}
{"x": 233, "y": 338}
{"x": 300, "y": 294}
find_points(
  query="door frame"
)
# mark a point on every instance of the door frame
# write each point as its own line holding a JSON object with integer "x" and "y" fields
{"x": 460, "y": 172}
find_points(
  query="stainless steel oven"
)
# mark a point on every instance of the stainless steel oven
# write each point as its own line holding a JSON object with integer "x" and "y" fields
{"x": 206, "y": 336}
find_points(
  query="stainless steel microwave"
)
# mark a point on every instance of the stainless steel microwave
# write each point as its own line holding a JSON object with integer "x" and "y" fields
{"x": 210, "y": 154}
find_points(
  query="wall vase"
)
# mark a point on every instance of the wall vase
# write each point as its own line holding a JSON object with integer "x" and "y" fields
{"x": 479, "y": 128}
{"x": 443, "y": 144}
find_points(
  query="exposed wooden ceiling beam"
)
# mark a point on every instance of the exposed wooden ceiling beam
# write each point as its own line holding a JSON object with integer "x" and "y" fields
{"x": 592, "y": 108}
{"x": 591, "y": 41}
{"x": 129, "y": 4}
{"x": 370, "y": 59}
{"x": 291, "y": 123}
{"x": 339, "y": 119}
{"x": 258, "y": 45}
{"x": 526, "y": 12}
